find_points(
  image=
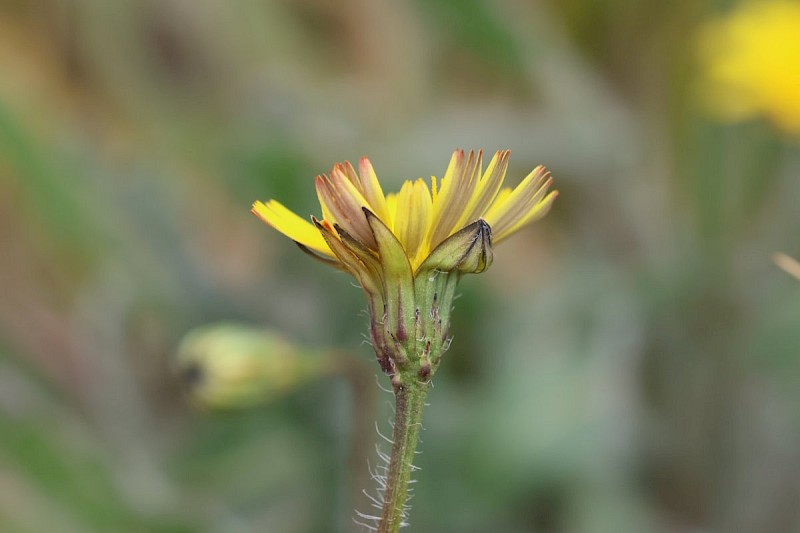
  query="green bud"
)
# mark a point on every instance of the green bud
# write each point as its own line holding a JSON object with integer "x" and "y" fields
{"x": 469, "y": 250}
{"x": 230, "y": 365}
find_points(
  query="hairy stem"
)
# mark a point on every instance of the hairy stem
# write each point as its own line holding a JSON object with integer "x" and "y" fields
{"x": 409, "y": 401}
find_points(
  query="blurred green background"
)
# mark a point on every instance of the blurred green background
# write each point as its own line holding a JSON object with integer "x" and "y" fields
{"x": 630, "y": 363}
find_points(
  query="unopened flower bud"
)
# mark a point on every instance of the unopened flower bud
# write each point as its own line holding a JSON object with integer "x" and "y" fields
{"x": 468, "y": 250}
{"x": 230, "y": 365}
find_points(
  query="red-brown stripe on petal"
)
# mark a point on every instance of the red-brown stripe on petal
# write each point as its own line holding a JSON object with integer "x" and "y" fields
{"x": 324, "y": 197}
{"x": 518, "y": 205}
{"x": 487, "y": 189}
{"x": 332, "y": 209}
{"x": 351, "y": 262}
{"x": 347, "y": 206}
{"x": 463, "y": 192}
{"x": 372, "y": 191}
{"x": 539, "y": 209}
{"x": 455, "y": 190}
{"x": 347, "y": 169}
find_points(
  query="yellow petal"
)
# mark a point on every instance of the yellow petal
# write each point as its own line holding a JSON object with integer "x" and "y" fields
{"x": 454, "y": 194}
{"x": 411, "y": 224}
{"x": 291, "y": 225}
{"x": 510, "y": 211}
{"x": 350, "y": 172}
{"x": 324, "y": 197}
{"x": 444, "y": 190}
{"x": 343, "y": 202}
{"x": 502, "y": 196}
{"x": 391, "y": 208}
{"x": 540, "y": 209}
{"x": 487, "y": 189}
{"x": 372, "y": 191}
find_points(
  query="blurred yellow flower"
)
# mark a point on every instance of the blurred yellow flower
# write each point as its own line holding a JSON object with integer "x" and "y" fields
{"x": 751, "y": 63}
{"x": 231, "y": 365}
{"x": 790, "y": 265}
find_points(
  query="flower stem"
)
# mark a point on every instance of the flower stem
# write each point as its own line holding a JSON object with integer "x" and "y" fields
{"x": 409, "y": 401}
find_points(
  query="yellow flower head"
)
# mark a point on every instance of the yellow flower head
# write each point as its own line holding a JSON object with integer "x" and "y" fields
{"x": 408, "y": 250}
{"x": 751, "y": 63}
{"x": 419, "y": 217}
